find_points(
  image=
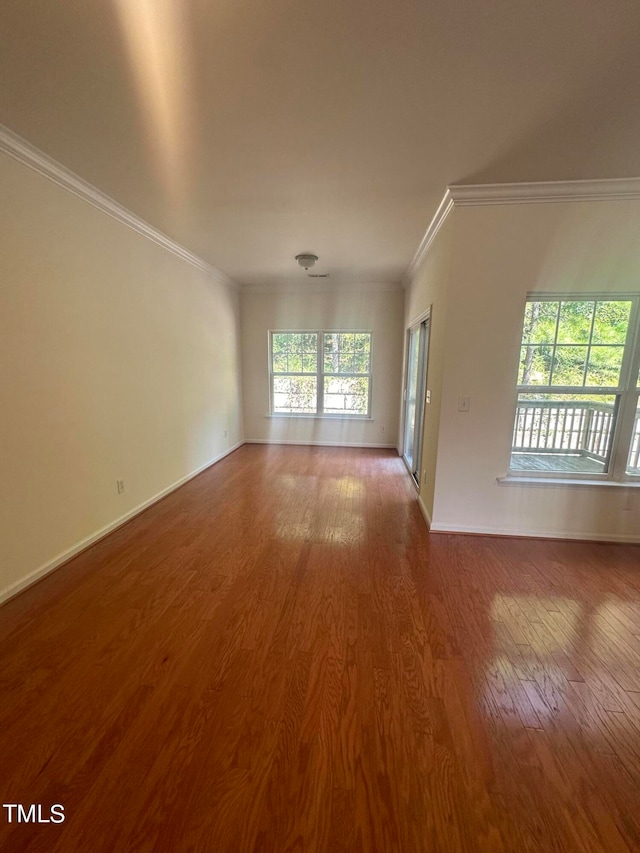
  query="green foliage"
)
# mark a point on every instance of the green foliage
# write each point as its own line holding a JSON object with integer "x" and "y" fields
{"x": 347, "y": 361}
{"x": 611, "y": 323}
{"x": 347, "y": 352}
{"x": 574, "y": 343}
{"x": 344, "y": 352}
{"x": 568, "y": 365}
{"x": 604, "y": 365}
{"x": 295, "y": 352}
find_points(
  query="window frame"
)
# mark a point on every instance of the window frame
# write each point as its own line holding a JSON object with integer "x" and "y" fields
{"x": 320, "y": 374}
{"x": 627, "y": 394}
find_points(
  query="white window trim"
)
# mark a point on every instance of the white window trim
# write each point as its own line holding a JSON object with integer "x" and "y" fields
{"x": 627, "y": 390}
{"x": 320, "y": 375}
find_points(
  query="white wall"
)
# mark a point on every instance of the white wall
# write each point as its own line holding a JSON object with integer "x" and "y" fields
{"x": 498, "y": 254}
{"x": 379, "y": 311}
{"x": 119, "y": 360}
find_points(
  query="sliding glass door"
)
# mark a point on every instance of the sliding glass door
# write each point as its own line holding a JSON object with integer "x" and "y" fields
{"x": 418, "y": 340}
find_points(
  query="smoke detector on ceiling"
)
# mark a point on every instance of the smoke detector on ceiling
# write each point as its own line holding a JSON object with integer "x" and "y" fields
{"x": 306, "y": 261}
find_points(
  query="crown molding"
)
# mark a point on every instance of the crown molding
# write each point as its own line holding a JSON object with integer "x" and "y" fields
{"x": 607, "y": 189}
{"x": 475, "y": 195}
{"x": 19, "y": 149}
{"x": 444, "y": 209}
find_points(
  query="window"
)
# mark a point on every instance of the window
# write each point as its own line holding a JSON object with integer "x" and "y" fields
{"x": 321, "y": 373}
{"x": 577, "y": 413}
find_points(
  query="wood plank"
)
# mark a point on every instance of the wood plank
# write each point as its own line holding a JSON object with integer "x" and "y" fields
{"x": 279, "y": 657}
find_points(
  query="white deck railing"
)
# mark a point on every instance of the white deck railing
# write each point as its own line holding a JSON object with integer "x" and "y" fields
{"x": 581, "y": 427}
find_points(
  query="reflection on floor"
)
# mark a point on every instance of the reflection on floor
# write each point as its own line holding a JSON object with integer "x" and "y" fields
{"x": 279, "y": 657}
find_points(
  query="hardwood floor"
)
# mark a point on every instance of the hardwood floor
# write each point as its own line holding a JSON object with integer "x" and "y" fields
{"x": 278, "y": 657}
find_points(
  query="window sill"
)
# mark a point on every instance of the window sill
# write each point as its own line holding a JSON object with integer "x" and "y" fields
{"x": 279, "y": 415}
{"x": 564, "y": 482}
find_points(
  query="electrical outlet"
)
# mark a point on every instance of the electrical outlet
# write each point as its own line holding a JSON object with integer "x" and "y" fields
{"x": 383, "y": 428}
{"x": 464, "y": 404}
{"x": 120, "y": 486}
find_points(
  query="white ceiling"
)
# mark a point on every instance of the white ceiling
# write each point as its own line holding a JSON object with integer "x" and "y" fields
{"x": 251, "y": 131}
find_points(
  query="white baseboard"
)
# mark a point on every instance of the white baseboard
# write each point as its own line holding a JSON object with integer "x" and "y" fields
{"x": 537, "y": 533}
{"x": 318, "y": 443}
{"x": 14, "y": 588}
{"x": 425, "y": 512}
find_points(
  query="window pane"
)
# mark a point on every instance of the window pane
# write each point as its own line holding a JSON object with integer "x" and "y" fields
{"x": 294, "y": 343}
{"x": 295, "y": 352}
{"x": 563, "y": 433}
{"x": 347, "y": 352}
{"x": 309, "y": 362}
{"x": 540, "y": 322}
{"x": 578, "y": 343}
{"x": 279, "y": 363}
{"x": 574, "y": 326}
{"x": 279, "y": 342}
{"x": 346, "y": 363}
{"x": 331, "y": 342}
{"x": 362, "y": 343}
{"x": 604, "y": 366}
{"x": 346, "y": 396}
{"x": 294, "y": 362}
{"x": 361, "y": 362}
{"x": 611, "y": 323}
{"x": 310, "y": 342}
{"x": 568, "y": 365}
{"x": 295, "y": 394}
{"x": 633, "y": 462}
{"x": 331, "y": 362}
{"x": 296, "y": 372}
{"x": 535, "y": 364}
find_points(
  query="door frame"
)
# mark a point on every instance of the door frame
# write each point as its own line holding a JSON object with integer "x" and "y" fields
{"x": 421, "y": 392}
